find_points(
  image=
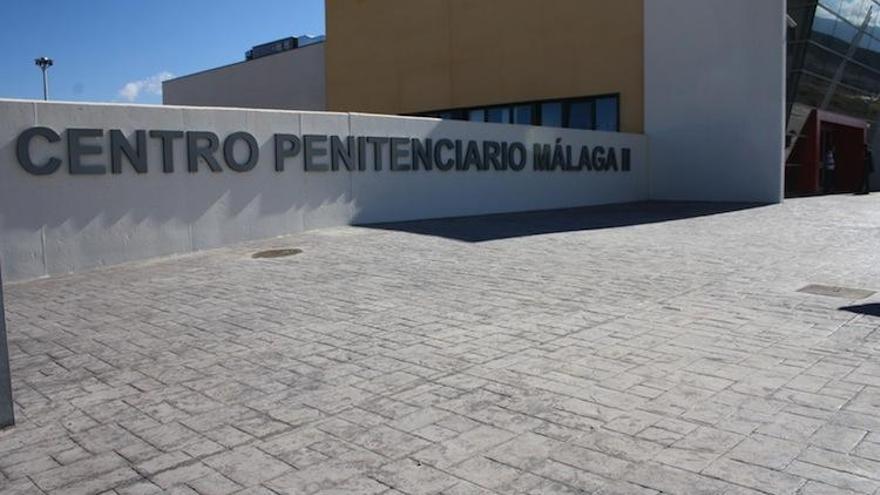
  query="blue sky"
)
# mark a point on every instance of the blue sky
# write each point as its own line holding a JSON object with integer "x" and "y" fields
{"x": 118, "y": 50}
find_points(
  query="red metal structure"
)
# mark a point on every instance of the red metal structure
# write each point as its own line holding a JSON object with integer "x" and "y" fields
{"x": 847, "y": 135}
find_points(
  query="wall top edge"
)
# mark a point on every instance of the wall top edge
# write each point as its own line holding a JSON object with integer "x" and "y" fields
{"x": 292, "y": 112}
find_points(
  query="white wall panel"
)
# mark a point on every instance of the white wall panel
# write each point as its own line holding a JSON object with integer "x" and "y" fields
{"x": 715, "y": 99}
{"x": 61, "y": 223}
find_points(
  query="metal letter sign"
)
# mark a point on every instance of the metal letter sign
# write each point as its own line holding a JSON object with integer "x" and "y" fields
{"x": 205, "y": 150}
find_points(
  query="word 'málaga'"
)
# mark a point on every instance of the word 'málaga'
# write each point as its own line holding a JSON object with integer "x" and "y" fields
{"x": 240, "y": 152}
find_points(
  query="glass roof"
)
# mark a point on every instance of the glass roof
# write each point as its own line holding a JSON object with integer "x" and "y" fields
{"x": 834, "y": 56}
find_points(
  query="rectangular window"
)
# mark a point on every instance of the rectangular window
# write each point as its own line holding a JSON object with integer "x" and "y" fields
{"x": 499, "y": 115}
{"x": 551, "y": 114}
{"x": 477, "y": 115}
{"x": 580, "y": 115}
{"x": 522, "y": 114}
{"x": 607, "y": 118}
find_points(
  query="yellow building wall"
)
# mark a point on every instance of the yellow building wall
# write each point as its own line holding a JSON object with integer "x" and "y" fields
{"x": 410, "y": 56}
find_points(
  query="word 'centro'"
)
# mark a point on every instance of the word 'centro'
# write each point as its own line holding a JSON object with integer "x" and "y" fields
{"x": 240, "y": 152}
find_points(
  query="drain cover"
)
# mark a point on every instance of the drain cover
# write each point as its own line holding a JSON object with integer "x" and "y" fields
{"x": 276, "y": 253}
{"x": 832, "y": 291}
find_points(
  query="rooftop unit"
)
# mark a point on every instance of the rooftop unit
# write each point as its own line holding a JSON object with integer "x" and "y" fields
{"x": 271, "y": 48}
{"x": 282, "y": 45}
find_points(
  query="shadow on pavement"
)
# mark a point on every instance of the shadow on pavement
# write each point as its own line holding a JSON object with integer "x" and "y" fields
{"x": 870, "y": 309}
{"x": 508, "y": 225}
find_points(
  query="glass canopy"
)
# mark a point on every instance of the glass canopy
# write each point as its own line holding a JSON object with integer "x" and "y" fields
{"x": 834, "y": 56}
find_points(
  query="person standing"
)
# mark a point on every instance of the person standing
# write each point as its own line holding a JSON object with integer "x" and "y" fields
{"x": 869, "y": 169}
{"x": 829, "y": 165}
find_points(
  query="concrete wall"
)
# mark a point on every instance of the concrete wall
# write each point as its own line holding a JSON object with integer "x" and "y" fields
{"x": 61, "y": 223}
{"x": 715, "y": 98}
{"x": 400, "y": 56}
{"x": 291, "y": 80}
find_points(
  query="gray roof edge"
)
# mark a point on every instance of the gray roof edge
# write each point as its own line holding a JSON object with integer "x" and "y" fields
{"x": 212, "y": 69}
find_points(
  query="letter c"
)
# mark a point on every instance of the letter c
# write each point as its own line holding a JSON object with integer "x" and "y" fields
{"x": 444, "y": 165}
{"x": 22, "y": 150}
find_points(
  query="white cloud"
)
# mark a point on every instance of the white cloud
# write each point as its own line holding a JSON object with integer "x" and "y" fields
{"x": 132, "y": 90}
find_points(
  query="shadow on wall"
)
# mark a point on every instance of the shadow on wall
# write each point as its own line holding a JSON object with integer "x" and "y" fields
{"x": 410, "y": 196}
{"x": 503, "y": 226}
{"x": 870, "y": 309}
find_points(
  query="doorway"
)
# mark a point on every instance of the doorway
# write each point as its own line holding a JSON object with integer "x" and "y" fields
{"x": 805, "y": 174}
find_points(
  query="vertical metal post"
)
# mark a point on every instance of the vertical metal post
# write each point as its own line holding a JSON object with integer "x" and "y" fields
{"x": 44, "y": 63}
{"x": 45, "y": 84}
{"x": 7, "y": 416}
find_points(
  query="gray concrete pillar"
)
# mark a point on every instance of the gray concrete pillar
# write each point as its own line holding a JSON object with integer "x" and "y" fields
{"x": 7, "y": 418}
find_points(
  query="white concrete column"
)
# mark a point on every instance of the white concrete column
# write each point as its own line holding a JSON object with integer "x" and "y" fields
{"x": 715, "y": 99}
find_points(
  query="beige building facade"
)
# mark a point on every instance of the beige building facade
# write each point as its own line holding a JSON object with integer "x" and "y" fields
{"x": 408, "y": 57}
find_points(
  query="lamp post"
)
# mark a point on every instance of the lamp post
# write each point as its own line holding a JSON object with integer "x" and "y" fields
{"x": 44, "y": 63}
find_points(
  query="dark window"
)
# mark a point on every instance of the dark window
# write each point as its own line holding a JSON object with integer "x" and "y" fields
{"x": 597, "y": 112}
{"x": 607, "y": 118}
{"x": 551, "y": 114}
{"x": 580, "y": 115}
{"x": 822, "y": 62}
{"x": 865, "y": 79}
{"x": 477, "y": 115}
{"x": 522, "y": 114}
{"x": 811, "y": 89}
{"x": 499, "y": 115}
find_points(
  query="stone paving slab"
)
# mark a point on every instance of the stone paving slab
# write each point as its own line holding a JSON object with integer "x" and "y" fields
{"x": 638, "y": 349}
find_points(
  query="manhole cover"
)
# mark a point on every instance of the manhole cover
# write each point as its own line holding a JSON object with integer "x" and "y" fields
{"x": 832, "y": 291}
{"x": 276, "y": 253}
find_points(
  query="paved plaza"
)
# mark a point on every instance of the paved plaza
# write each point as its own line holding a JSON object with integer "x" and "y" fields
{"x": 641, "y": 349}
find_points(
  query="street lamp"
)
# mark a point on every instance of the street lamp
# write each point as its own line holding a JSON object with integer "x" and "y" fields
{"x": 44, "y": 63}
